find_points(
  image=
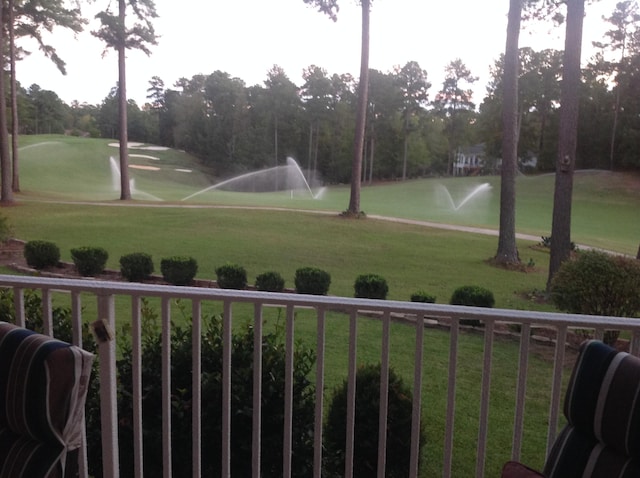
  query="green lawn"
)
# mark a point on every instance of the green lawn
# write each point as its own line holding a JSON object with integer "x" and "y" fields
{"x": 410, "y": 257}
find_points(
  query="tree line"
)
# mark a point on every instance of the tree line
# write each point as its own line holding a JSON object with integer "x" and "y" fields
{"x": 412, "y": 127}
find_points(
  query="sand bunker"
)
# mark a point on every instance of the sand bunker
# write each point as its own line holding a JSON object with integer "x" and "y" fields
{"x": 146, "y": 168}
{"x": 153, "y": 148}
{"x": 140, "y": 146}
{"x": 144, "y": 156}
{"x": 184, "y": 170}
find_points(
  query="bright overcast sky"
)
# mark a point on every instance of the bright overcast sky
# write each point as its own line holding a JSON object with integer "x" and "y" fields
{"x": 245, "y": 38}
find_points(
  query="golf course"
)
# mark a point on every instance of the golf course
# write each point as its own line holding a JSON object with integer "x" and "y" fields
{"x": 432, "y": 235}
{"x": 70, "y": 189}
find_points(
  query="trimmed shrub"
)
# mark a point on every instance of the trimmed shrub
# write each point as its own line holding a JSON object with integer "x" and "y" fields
{"x": 474, "y": 296}
{"x": 371, "y": 286}
{"x": 178, "y": 270}
{"x": 270, "y": 281}
{"x": 231, "y": 276}
{"x": 136, "y": 267}
{"x": 273, "y": 400}
{"x": 89, "y": 261}
{"x": 596, "y": 283}
{"x": 422, "y": 296}
{"x": 366, "y": 426}
{"x": 41, "y": 254}
{"x": 311, "y": 280}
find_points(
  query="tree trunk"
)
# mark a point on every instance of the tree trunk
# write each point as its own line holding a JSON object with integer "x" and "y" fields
{"x": 361, "y": 114}
{"x": 406, "y": 145}
{"x": 566, "y": 159}
{"x": 125, "y": 187}
{"x": 6, "y": 192}
{"x": 507, "y": 249}
{"x": 14, "y": 101}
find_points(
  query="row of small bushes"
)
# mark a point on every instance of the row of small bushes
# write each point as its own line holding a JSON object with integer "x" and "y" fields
{"x": 181, "y": 270}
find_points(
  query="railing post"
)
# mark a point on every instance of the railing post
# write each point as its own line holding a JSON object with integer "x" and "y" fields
{"x": 108, "y": 391}
{"x": 417, "y": 399}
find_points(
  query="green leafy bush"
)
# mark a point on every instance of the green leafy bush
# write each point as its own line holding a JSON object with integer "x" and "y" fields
{"x": 371, "y": 286}
{"x": 472, "y": 295}
{"x": 41, "y": 254}
{"x": 179, "y": 270}
{"x": 366, "y": 426}
{"x": 596, "y": 283}
{"x": 270, "y": 281}
{"x": 136, "y": 267}
{"x": 231, "y": 276}
{"x": 422, "y": 296}
{"x": 273, "y": 399}
{"x": 311, "y": 280}
{"x": 89, "y": 261}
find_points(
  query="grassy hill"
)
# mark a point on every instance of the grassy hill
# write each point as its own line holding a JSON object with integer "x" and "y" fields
{"x": 211, "y": 228}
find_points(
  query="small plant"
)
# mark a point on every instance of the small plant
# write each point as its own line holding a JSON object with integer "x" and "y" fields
{"x": 475, "y": 296}
{"x": 178, "y": 270}
{"x": 310, "y": 280}
{"x": 231, "y": 276}
{"x": 366, "y": 426}
{"x": 422, "y": 296}
{"x": 270, "y": 282}
{"x": 136, "y": 267}
{"x": 546, "y": 242}
{"x": 41, "y": 254}
{"x": 89, "y": 261}
{"x": 5, "y": 229}
{"x": 371, "y": 286}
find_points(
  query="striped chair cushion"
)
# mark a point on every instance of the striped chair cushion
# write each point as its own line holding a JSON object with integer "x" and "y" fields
{"x": 43, "y": 387}
{"x": 21, "y": 457}
{"x": 602, "y": 407}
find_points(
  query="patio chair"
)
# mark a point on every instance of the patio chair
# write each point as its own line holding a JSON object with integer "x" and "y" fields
{"x": 43, "y": 387}
{"x": 602, "y": 408}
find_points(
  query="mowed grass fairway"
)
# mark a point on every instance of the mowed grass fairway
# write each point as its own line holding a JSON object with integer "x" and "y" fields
{"x": 69, "y": 197}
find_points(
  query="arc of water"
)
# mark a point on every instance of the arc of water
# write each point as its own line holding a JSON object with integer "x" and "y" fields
{"x": 477, "y": 190}
{"x": 474, "y": 192}
{"x": 115, "y": 181}
{"x": 291, "y": 165}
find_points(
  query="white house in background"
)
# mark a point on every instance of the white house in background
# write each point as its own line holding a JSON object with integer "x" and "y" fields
{"x": 471, "y": 161}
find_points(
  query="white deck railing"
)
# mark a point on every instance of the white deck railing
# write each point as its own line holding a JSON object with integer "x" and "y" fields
{"x": 415, "y": 316}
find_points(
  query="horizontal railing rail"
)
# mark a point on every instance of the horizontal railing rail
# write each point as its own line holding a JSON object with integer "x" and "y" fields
{"x": 520, "y": 326}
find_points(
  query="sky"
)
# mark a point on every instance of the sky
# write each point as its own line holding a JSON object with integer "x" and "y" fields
{"x": 245, "y": 38}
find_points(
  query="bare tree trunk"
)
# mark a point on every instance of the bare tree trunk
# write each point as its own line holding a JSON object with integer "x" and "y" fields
{"x": 15, "y": 185}
{"x": 566, "y": 159}
{"x": 361, "y": 114}
{"x": 6, "y": 192}
{"x": 507, "y": 249}
{"x": 406, "y": 145}
{"x": 125, "y": 187}
{"x": 614, "y": 128}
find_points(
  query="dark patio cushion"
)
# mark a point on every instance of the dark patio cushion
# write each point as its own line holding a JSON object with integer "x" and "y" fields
{"x": 21, "y": 457}
{"x": 513, "y": 469}
{"x": 43, "y": 387}
{"x": 602, "y": 407}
